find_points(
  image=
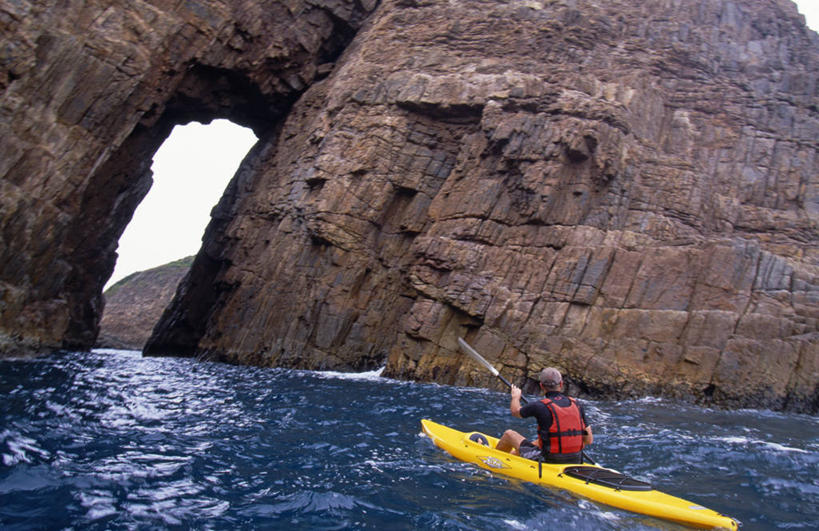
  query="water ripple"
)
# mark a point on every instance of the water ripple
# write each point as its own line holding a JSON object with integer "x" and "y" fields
{"x": 111, "y": 440}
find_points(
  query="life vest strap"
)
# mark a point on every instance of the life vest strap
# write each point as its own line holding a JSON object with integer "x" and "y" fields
{"x": 568, "y": 433}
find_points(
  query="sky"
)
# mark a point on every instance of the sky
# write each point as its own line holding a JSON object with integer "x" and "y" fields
{"x": 809, "y": 8}
{"x": 191, "y": 171}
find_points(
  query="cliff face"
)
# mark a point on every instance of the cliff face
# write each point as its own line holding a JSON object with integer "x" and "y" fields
{"x": 89, "y": 92}
{"x": 134, "y": 305}
{"x": 627, "y": 191}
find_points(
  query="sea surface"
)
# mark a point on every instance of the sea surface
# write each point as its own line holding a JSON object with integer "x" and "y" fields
{"x": 111, "y": 440}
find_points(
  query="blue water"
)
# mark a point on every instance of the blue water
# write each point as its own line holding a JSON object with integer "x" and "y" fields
{"x": 111, "y": 440}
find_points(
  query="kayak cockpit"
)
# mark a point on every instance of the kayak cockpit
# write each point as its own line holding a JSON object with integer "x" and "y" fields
{"x": 606, "y": 477}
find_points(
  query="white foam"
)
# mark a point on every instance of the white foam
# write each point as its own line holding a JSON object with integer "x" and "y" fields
{"x": 641, "y": 400}
{"x": 783, "y": 448}
{"x": 650, "y": 400}
{"x": 775, "y": 446}
{"x": 117, "y": 352}
{"x": 369, "y": 375}
{"x": 609, "y": 515}
{"x": 734, "y": 440}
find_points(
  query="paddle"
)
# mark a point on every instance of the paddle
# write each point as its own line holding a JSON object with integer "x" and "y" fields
{"x": 477, "y": 357}
{"x": 480, "y": 359}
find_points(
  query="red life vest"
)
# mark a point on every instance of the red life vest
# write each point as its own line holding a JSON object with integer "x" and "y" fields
{"x": 567, "y": 429}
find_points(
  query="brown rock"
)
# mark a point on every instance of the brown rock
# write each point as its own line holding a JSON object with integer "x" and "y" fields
{"x": 626, "y": 191}
{"x": 134, "y": 305}
{"x": 89, "y": 91}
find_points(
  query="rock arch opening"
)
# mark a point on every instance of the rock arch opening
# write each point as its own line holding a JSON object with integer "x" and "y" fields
{"x": 191, "y": 171}
{"x": 118, "y": 186}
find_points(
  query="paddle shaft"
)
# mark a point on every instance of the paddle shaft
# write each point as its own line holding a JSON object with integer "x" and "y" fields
{"x": 480, "y": 359}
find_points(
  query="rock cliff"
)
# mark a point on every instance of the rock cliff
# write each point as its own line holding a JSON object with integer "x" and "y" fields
{"x": 628, "y": 191}
{"x": 134, "y": 305}
{"x": 89, "y": 92}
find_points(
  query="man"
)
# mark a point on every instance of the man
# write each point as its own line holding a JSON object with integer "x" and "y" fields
{"x": 562, "y": 428}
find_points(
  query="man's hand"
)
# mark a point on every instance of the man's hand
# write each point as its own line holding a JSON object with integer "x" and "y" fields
{"x": 514, "y": 405}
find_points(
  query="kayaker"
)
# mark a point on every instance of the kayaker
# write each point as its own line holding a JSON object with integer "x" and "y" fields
{"x": 558, "y": 442}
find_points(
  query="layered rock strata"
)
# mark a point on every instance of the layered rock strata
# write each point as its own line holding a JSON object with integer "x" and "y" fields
{"x": 627, "y": 191}
{"x": 89, "y": 92}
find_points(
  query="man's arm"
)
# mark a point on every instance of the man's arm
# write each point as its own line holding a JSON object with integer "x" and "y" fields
{"x": 588, "y": 436}
{"x": 514, "y": 403}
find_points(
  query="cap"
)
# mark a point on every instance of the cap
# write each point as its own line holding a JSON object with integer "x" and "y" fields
{"x": 550, "y": 377}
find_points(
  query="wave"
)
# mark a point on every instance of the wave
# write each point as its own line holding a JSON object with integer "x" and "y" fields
{"x": 18, "y": 448}
{"x": 117, "y": 351}
{"x": 747, "y": 441}
{"x": 367, "y": 375}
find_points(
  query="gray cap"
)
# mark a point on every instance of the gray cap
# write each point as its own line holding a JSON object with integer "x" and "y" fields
{"x": 550, "y": 377}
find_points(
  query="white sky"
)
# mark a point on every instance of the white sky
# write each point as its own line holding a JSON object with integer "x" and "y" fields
{"x": 809, "y": 8}
{"x": 191, "y": 171}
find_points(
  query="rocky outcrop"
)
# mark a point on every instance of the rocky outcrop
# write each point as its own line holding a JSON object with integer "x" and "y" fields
{"x": 89, "y": 92}
{"x": 625, "y": 190}
{"x": 134, "y": 305}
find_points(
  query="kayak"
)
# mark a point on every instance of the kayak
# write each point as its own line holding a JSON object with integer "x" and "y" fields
{"x": 589, "y": 481}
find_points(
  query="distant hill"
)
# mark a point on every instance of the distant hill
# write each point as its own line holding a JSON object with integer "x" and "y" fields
{"x": 134, "y": 304}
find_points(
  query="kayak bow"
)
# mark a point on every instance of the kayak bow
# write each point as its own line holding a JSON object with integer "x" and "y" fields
{"x": 593, "y": 482}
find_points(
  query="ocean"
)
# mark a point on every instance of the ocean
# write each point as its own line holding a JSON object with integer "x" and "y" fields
{"x": 112, "y": 440}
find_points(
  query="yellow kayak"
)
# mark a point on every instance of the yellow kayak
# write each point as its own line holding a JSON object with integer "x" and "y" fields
{"x": 593, "y": 482}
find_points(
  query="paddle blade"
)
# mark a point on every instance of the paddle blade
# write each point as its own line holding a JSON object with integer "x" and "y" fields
{"x": 477, "y": 357}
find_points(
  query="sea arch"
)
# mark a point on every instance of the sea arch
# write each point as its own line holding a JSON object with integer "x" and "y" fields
{"x": 90, "y": 94}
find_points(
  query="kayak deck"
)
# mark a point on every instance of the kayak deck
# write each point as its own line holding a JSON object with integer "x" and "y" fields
{"x": 588, "y": 481}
